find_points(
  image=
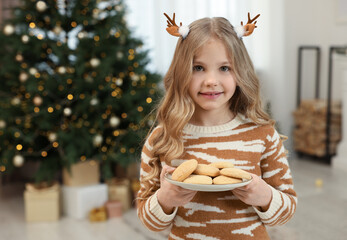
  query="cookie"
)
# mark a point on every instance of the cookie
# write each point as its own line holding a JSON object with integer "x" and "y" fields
{"x": 198, "y": 179}
{"x": 184, "y": 170}
{"x": 235, "y": 173}
{"x": 222, "y": 164}
{"x": 226, "y": 180}
{"x": 208, "y": 170}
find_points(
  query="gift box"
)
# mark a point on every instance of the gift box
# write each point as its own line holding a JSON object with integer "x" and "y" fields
{"x": 119, "y": 190}
{"x": 114, "y": 209}
{"x": 98, "y": 214}
{"x": 82, "y": 173}
{"x": 79, "y": 201}
{"x": 42, "y": 202}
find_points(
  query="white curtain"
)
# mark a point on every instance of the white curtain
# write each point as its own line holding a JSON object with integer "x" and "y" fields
{"x": 147, "y": 21}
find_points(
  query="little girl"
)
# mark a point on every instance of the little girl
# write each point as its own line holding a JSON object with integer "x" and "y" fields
{"x": 212, "y": 112}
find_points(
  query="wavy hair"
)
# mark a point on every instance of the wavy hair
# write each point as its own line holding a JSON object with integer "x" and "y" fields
{"x": 176, "y": 108}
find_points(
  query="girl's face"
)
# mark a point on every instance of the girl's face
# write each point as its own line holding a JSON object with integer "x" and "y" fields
{"x": 213, "y": 82}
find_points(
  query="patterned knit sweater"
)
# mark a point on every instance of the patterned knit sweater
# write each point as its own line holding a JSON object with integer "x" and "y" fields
{"x": 221, "y": 215}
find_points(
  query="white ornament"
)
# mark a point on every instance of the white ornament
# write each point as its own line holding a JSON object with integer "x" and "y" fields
{"x": 23, "y": 77}
{"x": 15, "y": 101}
{"x": 97, "y": 140}
{"x": 61, "y": 70}
{"x": 94, "y": 102}
{"x": 57, "y": 30}
{"x": 18, "y": 160}
{"x": 41, "y": 6}
{"x": 37, "y": 100}
{"x": 8, "y": 29}
{"x": 114, "y": 121}
{"x": 2, "y": 123}
{"x": 120, "y": 55}
{"x": 94, "y": 62}
{"x": 119, "y": 82}
{"x": 82, "y": 35}
{"x": 52, "y": 137}
{"x": 32, "y": 71}
{"x": 25, "y": 38}
{"x": 135, "y": 77}
{"x": 67, "y": 111}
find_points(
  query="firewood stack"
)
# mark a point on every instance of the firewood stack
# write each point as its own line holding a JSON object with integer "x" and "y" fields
{"x": 310, "y": 127}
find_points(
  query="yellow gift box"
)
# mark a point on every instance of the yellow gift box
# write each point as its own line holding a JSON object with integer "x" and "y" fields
{"x": 119, "y": 190}
{"x": 42, "y": 202}
{"x": 82, "y": 173}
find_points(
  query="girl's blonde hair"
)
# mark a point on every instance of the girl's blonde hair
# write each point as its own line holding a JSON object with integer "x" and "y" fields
{"x": 176, "y": 108}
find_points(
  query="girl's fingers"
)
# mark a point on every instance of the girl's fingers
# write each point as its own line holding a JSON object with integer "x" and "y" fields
{"x": 166, "y": 169}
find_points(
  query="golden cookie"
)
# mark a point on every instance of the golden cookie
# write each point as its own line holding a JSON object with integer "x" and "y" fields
{"x": 222, "y": 164}
{"x": 184, "y": 170}
{"x": 235, "y": 173}
{"x": 225, "y": 180}
{"x": 204, "y": 169}
{"x": 198, "y": 179}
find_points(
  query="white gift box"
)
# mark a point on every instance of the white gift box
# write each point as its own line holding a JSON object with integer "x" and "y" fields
{"x": 79, "y": 201}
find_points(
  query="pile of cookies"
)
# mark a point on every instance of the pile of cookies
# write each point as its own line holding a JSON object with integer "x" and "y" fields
{"x": 215, "y": 173}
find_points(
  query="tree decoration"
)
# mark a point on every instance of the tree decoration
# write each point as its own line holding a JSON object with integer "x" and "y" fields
{"x": 74, "y": 82}
{"x": 18, "y": 160}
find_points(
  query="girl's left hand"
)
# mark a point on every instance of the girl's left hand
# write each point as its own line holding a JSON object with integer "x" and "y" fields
{"x": 257, "y": 193}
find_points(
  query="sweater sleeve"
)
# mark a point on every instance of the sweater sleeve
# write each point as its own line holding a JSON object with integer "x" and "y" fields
{"x": 149, "y": 210}
{"x": 276, "y": 172}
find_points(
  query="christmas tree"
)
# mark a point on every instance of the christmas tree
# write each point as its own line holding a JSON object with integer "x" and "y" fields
{"x": 74, "y": 86}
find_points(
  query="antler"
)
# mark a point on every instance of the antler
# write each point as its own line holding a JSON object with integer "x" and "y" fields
{"x": 250, "y": 26}
{"x": 172, "y": 26}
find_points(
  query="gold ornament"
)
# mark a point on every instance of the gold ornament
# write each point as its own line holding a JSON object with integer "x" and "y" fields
{"x": 19, "y": 57}
{"x": 2, "y": 124}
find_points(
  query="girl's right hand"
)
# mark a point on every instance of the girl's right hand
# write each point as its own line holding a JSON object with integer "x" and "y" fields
{"x": 171, "y": 196}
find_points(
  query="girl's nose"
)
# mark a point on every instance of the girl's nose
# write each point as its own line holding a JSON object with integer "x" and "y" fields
{"x": 211, "y": 80}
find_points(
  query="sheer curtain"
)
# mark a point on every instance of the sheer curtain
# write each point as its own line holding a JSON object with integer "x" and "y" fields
{"x": 147, "y": 21}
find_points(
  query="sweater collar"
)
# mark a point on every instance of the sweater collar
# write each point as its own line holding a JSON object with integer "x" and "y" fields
{"x": 236, "y": 121}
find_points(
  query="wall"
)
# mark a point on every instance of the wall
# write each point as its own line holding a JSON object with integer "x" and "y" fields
{"x": 309, "y": 22}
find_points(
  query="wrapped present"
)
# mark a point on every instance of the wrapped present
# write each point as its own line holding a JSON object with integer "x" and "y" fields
{"x": 114, "y": 209}
{"x": 98, "y": 214}
{"x": 119, "y": 190}
{"x": 79, "y": 201}
{"x": 135, "y": 187}
{"x": 42, "y": 202}
{"x": 82, "y": 173}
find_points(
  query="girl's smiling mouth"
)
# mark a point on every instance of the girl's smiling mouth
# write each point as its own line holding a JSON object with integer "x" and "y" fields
{"x": 210, "y": 95}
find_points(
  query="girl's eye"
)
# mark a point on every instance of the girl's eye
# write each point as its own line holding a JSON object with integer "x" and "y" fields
{"x": 225, "y": 68}
{"x": 198, "y": 68}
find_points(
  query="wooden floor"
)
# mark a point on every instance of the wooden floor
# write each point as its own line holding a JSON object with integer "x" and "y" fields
{"x": 321, "y": 213}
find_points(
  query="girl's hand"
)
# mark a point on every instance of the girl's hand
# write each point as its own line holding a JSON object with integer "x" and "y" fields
{"x": 258, "y": 193}
{"x": 171, "y": 196}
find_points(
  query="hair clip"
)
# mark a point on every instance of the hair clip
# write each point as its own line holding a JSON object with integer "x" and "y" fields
{"x": 175, "y": 30}
{"x": 244, "y": 31}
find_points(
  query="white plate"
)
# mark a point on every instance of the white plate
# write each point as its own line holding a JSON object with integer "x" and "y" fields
{"x": 207, "y": 187}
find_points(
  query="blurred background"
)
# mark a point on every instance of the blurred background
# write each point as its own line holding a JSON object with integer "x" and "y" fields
{"x": 79, "y": 80}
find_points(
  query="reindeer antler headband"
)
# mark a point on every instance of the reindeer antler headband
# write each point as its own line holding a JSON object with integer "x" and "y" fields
{"x": 241, "y": 31}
